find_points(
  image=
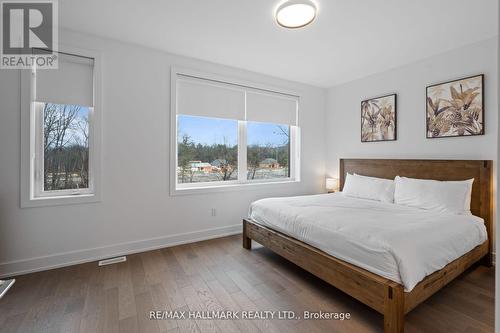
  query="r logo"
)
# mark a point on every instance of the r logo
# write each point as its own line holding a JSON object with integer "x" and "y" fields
{"x": 27, "y": 27}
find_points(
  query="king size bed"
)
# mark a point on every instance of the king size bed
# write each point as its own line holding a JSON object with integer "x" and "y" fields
{"x": 390, "y": 257}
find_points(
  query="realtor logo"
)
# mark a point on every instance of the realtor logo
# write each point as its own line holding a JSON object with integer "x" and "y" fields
{"x": 29, "y": 34}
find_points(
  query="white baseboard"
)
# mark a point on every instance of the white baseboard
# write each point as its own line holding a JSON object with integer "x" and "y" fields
{"x": 13, "y": 268}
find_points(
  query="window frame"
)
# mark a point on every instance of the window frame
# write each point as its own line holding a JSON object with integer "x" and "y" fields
{"x": 32, "y": 160}
{"x": 242, "y": 182}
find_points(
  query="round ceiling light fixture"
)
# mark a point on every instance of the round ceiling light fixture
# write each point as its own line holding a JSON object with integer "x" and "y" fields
{"x": 295, "y": 14}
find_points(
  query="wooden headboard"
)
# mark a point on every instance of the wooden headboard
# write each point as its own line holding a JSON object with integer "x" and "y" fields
{"x": 480, "y": 170}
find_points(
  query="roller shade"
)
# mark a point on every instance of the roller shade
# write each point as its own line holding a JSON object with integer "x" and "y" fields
{"x": 271, "y": 108}
{"x": 205, "y": 98}
{"x": 71, "y": 83}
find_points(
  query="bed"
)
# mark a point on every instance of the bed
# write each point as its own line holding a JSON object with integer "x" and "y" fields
{"x": 363, "y": 248}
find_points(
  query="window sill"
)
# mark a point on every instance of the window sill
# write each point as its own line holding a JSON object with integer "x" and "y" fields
{"x": 250, "y": 186}
{"x": 60, "y": 200}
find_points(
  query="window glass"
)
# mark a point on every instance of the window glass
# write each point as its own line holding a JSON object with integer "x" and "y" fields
{"x": 65, "y": 147}
{"x": 268, "y": 151}
{"x": 207, "y": 149}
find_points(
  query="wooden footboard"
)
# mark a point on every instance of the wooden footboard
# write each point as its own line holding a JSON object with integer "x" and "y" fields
{"x": 381, "y": 294}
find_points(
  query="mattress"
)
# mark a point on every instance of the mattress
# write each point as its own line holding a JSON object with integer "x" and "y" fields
{"x": 400, "y": 243}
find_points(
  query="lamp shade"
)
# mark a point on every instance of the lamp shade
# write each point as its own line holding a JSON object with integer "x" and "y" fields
{"x": 332, "y": 183}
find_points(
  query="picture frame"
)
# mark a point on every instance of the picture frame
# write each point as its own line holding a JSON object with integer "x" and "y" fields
{"x": 455, "y": 108}
{"x": 379, "y": 118}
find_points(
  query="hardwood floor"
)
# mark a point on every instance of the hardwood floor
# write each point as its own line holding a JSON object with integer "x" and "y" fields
{"x": 220, "y": 275}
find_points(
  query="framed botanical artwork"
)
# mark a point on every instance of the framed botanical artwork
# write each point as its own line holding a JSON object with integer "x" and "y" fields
{"x": 455, "y": 108}
{"x": 378, "y": 119}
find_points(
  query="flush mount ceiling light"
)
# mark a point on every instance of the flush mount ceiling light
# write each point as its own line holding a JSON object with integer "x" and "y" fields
{"x": 294, "y": 14}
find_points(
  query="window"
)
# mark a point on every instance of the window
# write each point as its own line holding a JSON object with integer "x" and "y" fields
{"x": 61, "y": 132}
{"x": 231, "y": 134}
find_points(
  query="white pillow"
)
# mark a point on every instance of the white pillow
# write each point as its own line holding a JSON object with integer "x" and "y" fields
{"x": 369, "y": 188}
{"x": 442, "y": 196}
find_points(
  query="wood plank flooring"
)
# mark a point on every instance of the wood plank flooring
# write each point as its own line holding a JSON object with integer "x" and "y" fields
{"x": 219, "y": 275}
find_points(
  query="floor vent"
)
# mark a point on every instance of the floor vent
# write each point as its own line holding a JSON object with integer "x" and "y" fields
{"x": 112, "y": 261}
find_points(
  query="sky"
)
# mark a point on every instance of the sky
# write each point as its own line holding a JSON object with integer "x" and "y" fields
{"x": 213, "y": 130}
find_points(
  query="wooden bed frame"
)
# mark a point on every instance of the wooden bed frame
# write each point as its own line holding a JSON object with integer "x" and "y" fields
{"x": 381, "y": 294}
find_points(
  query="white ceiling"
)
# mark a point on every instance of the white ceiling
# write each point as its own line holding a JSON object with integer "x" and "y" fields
{"x": 349, "y": 39}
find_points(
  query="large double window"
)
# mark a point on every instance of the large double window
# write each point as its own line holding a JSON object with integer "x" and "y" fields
{"x": 232, "y": 134}
{"x": 62, "y": 136}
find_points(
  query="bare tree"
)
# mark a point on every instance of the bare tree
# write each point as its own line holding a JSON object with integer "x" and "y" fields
{"x": 60, "y": 124}
{"x": 226, "y": 167}
{"x": 285, "y": 132}
{"x": 255, "y": 155}
{"x": 82, "y": 140}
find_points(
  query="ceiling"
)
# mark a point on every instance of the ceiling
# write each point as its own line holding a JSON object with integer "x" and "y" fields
{"x": 348, "y": 40}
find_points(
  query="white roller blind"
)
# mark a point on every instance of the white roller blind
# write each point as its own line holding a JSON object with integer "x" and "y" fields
{"x": 71, "y": 83}
{"x": 271, "y": 108}
{"x": 204, "y": 98}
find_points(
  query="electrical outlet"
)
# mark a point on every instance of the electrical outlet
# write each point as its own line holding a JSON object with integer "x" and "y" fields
{"x": 214, "y": 212}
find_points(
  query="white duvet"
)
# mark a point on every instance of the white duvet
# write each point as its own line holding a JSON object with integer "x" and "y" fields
{"x": 400, "y": 243}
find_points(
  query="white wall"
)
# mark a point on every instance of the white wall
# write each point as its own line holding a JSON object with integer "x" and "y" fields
{"x": 137, "y": 211}
{"x": 409, "y": 82}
